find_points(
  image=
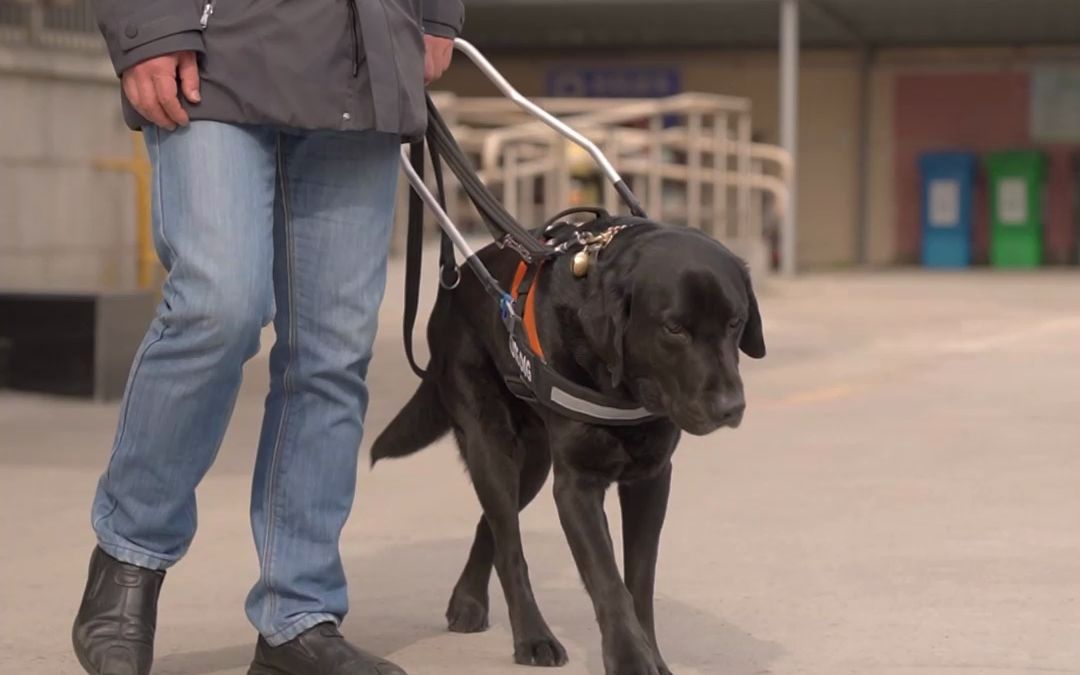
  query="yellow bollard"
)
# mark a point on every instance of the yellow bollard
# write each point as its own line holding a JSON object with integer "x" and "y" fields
{"x": 138, "y": 165}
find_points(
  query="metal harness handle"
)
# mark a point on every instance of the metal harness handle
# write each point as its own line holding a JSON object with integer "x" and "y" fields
{"x": 554, "y": 122}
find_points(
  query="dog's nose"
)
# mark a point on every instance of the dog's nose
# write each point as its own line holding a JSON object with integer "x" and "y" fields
{"x": 728, "y": 409}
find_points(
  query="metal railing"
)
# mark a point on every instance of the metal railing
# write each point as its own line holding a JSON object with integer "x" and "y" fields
{"x": 63, "y": 24}
{"x": 691, "y": 159}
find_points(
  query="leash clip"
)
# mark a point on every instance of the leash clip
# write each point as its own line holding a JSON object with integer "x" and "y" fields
{"x": 516, "y": 246}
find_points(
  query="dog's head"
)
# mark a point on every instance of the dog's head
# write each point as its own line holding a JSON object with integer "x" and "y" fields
{"x": 671, "y": 314}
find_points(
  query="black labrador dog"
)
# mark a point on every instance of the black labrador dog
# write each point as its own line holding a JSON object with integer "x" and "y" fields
{"x": 659, "y": 318}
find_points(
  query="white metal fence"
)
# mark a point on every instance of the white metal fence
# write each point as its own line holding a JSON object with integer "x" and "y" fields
{"x": 65, "y": 24}
{"x": 690, "y": 159}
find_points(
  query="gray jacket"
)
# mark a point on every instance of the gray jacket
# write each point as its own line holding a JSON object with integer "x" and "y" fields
{"x": 302, "y": 64}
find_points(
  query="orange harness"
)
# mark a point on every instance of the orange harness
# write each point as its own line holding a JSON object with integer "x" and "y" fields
{"x": 528, "y": 320}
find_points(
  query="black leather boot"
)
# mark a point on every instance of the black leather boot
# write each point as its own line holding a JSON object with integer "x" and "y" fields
{"x": 318, "y": 651}
{"x": 114, "y": 630}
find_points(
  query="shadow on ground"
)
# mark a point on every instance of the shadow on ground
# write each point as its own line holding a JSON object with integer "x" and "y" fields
{"x": 203, "y": 662}
{"x": 389, "y": 618}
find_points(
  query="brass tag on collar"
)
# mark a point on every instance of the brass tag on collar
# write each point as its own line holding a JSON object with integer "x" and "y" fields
{"x": 580, "y": 264}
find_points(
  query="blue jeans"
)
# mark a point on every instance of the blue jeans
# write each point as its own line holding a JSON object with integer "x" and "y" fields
{"x": 254, "y": 224}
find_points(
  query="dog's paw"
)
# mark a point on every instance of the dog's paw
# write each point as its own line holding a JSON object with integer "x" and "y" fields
{"x": 541, "y": 651}
{"x": 467, "y": 614}
{"x": 635, "y": 659}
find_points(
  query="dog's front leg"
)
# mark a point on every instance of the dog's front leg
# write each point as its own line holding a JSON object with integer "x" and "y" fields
{"x": 644, "y": 505}
{"x": 495, "y": 477}
{"x": 626, "y": 646}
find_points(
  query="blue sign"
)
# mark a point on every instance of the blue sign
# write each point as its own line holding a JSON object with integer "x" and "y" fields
{"x": 614, "y": 81}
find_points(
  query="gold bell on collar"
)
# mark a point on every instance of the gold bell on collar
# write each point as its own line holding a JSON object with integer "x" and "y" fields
{"x": 580, "y": 263}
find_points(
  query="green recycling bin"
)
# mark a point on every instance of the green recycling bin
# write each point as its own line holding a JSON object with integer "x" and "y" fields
{"x": 1017, "y": 182}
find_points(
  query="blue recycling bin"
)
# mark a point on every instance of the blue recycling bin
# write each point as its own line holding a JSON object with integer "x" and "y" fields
{"x": 948, "y": 186}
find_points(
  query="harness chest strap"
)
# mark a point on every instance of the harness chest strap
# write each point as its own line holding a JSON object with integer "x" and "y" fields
{"x": 528, "y": 317}
{"x": 540, "y": 383}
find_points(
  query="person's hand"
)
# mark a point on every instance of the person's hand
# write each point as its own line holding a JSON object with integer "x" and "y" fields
{"x": 150, "y": 86}
{"x": 437, "y": 54}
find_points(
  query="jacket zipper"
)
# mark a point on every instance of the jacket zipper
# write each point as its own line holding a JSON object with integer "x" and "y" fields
{"x": 208, "y": 9}
{"x": 355, "y": 39}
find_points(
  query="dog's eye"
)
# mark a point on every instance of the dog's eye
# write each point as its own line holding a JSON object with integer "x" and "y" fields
{"x": 674, "y": 328}
{"x": 735, "y": 323}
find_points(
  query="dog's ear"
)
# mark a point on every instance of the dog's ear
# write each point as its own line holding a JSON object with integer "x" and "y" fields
{"x": 604, "y": 318}
{"x": 753, "y": 338}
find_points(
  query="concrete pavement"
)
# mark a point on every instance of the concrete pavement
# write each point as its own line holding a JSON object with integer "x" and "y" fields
{"x": 902, "y": 499}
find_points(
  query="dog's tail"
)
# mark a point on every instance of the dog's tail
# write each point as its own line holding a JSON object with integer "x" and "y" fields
{"x": 420, "y": 423}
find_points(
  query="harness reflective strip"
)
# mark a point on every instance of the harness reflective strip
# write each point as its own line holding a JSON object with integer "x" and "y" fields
{"x": 571, "y": 402}
{"x": 528, "y": 321}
